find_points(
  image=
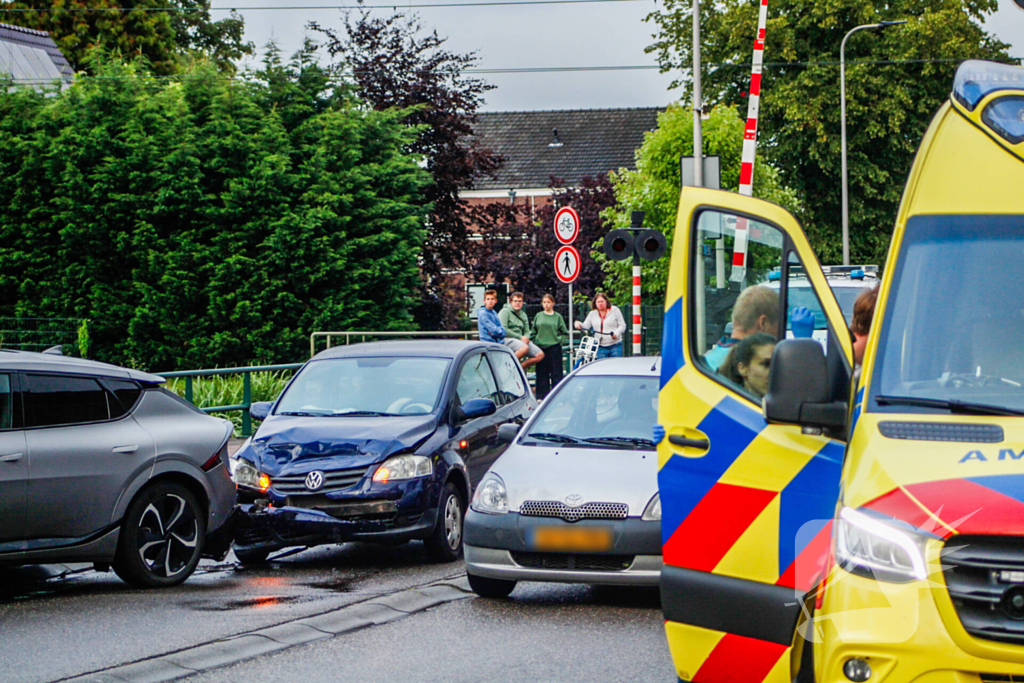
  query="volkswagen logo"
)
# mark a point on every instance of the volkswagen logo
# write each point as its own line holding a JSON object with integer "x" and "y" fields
{"x": 314, "y": 480}
{"x": 574, "y": 500}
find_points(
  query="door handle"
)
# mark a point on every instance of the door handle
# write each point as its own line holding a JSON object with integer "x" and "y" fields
{"x": 687, "y": 442}
{"x": 13, "y": 457}
{"x": 126, "y": 449}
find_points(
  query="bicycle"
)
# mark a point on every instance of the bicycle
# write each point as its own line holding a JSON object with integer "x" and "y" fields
{"x": 586, "y": 352}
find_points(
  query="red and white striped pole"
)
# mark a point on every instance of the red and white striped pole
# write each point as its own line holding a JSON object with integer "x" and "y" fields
{"x": 637, "y": 327}
{"x": 739, "y": 257}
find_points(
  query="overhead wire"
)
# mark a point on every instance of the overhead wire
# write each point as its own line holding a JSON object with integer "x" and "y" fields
{"x": 537, "y": 70}
{"x": 392, "y": 6}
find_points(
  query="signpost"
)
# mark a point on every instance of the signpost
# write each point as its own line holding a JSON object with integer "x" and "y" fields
{"x": 567, "y": 259}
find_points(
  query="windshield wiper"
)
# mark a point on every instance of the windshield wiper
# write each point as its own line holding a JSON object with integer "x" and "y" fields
{"x": 302, "y": 413}
{"x": 619, "y": 440}
{"x": 362, "y": 413}
{"x": 953, "y": 406}
{"x": 558, "y": 438}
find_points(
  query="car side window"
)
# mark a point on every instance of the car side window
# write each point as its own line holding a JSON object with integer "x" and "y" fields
{"x": 736, "y": 286}
{"x": 6, "y": 403}
{"x": 476, "y": 380}
{"x": 510, "y": 376}
{"x": 126, "y": 394}
{"x": 52, "y": 400}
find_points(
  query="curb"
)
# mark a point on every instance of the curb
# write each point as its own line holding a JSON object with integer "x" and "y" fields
{"x": 234, "y": 649}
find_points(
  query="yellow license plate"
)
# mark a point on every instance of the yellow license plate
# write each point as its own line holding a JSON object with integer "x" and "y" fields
{"x": 571, "y": 539}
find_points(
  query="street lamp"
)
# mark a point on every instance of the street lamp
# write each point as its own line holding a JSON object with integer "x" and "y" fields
{"x": 842, "y": 116}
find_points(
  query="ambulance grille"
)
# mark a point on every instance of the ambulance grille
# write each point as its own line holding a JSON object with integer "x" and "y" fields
{"x": 941, "y": 431}
{"x": 985, "y": 578}
{"x": 556, "y": 508}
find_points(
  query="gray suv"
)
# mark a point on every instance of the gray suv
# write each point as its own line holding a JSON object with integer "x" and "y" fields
{"x": 102, "y": 464}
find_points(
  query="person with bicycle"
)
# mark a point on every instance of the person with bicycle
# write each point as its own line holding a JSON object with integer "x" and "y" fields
{"x": 607, "y": 324}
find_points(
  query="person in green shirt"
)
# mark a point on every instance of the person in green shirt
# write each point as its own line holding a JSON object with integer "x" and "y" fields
{"x": 549, "y": 332}
{"x": 517, "y": 331}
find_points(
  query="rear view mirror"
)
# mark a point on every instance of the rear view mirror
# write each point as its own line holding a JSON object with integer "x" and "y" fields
{"x": 474, "y": 408}
{"x": 798, "y": 387}
{"x": 507, "y": 432}
{"x": 260, "y": 410}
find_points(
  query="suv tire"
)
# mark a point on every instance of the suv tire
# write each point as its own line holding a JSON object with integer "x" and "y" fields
{"x": 445, "y": 543}
{"x": 161, "y": 537}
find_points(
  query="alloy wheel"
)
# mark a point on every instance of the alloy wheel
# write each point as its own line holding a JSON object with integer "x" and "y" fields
{"x": 453, "y": 521}
{"x": 168, "y": 535}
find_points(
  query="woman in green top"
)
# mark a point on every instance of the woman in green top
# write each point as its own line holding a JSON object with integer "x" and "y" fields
{"x": 549, "y": 333}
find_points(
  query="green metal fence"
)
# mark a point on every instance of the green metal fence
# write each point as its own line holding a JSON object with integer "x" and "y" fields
{"x": 39, "y": 334}
{"x": 246, "y": 373}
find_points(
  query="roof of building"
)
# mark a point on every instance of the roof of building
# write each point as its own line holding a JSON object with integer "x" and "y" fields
{"x": 566, "y": 144}
{"x": 31, "y": 57}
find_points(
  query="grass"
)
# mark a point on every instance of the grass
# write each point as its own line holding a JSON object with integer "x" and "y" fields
{"x": 224, "y": 390}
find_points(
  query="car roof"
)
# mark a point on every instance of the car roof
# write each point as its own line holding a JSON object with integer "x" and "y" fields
{"x": 639, "y": 366}
{"x": 425, "y": 348}
{"x": 11, "y": 359}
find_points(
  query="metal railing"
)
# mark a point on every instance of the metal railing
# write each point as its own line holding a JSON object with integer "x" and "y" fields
{"x": 363, "y": 334}
{"x": 246, "y": 373}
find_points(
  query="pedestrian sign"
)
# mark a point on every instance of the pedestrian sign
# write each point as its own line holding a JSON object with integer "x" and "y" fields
{"x": 567, "y": 225}
{"x": 567, "y": 264}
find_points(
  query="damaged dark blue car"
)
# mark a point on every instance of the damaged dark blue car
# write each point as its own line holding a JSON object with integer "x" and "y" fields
{"x": 379, "y": 442}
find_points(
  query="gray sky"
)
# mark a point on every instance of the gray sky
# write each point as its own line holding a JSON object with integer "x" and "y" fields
{"x": 611, "y": 34}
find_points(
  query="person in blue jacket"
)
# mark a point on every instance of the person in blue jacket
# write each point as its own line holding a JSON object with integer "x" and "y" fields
{"x": 487, "y": 321}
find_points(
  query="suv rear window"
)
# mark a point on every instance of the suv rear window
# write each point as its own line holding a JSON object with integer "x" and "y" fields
{"x": 52, "y": 400}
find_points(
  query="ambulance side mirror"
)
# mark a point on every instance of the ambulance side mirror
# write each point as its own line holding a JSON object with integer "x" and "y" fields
{"x": 798, "y": 387}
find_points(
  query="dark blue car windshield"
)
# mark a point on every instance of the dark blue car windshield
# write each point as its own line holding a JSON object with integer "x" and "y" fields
{"x": 388, "y": 385}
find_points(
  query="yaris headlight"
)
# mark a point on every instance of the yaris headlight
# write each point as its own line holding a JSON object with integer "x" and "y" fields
{"x": 868, "y": 546}
{"x": 653, "y": 511}
{"x": 491, "y": 496}
{"x": 403, "y": 467}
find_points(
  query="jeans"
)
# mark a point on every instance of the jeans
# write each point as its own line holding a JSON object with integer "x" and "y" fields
{"x": 613, "y": 351}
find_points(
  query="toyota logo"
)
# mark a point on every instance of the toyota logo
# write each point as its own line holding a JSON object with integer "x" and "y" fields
{"x": 314, "y": 480}
{"x": 574, "y": 500}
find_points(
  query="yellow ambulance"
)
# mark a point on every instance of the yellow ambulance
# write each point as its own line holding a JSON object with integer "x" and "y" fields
{"x": 831, "y": 522}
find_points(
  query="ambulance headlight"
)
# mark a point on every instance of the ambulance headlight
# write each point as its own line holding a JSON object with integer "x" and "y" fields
{"x": 868, "y": 546}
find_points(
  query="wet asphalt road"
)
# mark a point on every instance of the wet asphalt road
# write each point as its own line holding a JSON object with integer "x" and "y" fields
{"x": 59, "y": 622}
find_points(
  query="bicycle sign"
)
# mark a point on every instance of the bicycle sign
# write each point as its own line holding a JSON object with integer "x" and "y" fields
{"x": 567, "y": 264}
{"x": 567, "y": 225}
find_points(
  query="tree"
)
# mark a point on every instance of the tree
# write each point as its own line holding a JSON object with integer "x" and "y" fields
{"x": 654, "y": 186}
{"x": 207, "y": 221}
{"x": 394, "y": 64}
{"x": 162, "y": 38}
{"x": 895, "y": 81}
{"x": 520, "y": 247}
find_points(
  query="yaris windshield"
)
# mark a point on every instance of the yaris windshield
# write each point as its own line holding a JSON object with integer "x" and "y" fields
{"x": 952, "y": 335}
{"x": 366, "y": 386}
{"x": 609, "y": 411}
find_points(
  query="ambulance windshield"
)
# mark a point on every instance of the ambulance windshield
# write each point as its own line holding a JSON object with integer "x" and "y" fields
{"x": 953, "y": 329}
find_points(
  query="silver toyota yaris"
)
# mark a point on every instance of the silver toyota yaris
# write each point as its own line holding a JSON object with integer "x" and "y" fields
{"x": 102, "y": 464}
{"x": 575, "y": 497}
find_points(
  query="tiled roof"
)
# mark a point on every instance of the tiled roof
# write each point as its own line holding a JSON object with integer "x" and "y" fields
{"x": 589, "y": 142}
{"x": 31, "y": 56}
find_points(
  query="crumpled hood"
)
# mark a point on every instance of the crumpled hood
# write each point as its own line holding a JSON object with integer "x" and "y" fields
{"x": 945, "y": 487}
{"x": 286, "y": 443}
{"x": 596, "y": 475}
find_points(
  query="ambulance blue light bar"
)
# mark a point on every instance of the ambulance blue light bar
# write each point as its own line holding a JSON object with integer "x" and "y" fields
{"x": 975, "y": 79}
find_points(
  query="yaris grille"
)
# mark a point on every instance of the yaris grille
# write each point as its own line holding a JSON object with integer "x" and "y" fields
{"x": 556, "y": 508}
